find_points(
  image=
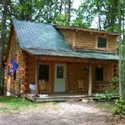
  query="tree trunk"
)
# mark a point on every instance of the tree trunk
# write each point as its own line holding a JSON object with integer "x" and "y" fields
{"x": 120, "y": 54}
{"x": 69, "y": 11}
{"x": 2, "y": 41}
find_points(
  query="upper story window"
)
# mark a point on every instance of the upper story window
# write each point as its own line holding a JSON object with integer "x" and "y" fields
{"x": 102, "y": 42}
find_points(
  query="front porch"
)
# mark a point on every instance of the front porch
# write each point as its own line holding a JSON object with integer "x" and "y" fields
{"x": 58, "y": 97}
{"x": 62, "y": 75}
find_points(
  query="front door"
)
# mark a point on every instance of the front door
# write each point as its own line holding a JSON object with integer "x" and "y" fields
{"x": 60, "y": 77}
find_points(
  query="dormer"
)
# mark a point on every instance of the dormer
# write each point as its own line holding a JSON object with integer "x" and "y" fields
{"x": 89, "y": 39}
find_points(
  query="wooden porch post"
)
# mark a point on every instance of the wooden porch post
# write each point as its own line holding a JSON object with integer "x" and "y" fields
{"x": 90, "y": 80}
{"x": 36, "y": 75}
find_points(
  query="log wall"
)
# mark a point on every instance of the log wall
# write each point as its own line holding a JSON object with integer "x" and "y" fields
{"x": 77, "y": 72}
{"x": 16, "y": 86}
{"x": 88, "y": 40}
{"x": 108, "y": 72}
{"x": 74, "y": 71}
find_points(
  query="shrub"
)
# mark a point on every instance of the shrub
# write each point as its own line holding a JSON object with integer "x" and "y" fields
{"x": 107, "y": 96}
{"x": 115, "y": 85}
{"x": 120, "y": 105}
{"x": 99, "y": 97}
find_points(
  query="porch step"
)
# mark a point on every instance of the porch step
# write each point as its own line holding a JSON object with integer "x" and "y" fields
{"x": 63, "y": 97}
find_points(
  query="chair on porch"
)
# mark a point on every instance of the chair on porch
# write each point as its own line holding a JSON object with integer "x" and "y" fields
{"x": 42, "y": 86}
{"x": 80, "y": 85}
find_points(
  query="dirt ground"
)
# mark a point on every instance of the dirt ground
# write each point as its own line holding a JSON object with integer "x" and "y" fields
{"x": 64, "y": 113}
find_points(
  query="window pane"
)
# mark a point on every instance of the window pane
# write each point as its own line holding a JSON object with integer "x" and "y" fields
{"x": 44, "y": 72}
{"x": 102, "y": 42}
{"x": 60, "y": 71}
{"x": 99, "y": 73}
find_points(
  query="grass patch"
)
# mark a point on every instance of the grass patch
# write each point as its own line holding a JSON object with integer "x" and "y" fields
{"x": 106, "y": 105}
{"x": 17, "y": 105}
{"x": 14, "y": 101}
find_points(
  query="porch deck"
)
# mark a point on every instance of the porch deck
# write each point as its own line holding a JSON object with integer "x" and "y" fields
{"x": 56, "y": 97}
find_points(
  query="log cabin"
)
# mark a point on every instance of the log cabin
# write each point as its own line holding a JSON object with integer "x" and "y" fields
{"x": 68, "y": 59}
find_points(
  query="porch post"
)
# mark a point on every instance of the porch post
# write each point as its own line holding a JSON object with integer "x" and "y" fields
{"x": 36, "y": 75}
{"x": 90, "y": 80}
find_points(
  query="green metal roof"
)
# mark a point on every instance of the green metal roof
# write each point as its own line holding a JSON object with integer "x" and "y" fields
{"x": 44, "y": 39}
{"x": 83, "y": 54}
{"x": 39, "y": 36}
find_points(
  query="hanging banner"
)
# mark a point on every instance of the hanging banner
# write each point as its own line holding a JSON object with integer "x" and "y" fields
{"x": 13, "y": 67}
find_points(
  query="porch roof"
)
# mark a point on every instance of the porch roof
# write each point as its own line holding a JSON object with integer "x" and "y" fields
{"x": 80, "y": 54}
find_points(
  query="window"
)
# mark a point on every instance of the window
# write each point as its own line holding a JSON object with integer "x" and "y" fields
{"x": 15, "y": 75}
{"x": 102, "y": 42}
{"x": 44, "y": 72}
{"x": 60, "y": 71}
{"x": 99, "y": 73}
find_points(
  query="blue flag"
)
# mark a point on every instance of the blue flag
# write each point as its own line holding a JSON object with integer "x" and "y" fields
{"x": 13, "y": 67}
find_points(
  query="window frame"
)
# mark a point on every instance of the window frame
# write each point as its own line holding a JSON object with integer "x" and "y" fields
{"x": 48, "y": 72}
{"x": 97, "y": 41}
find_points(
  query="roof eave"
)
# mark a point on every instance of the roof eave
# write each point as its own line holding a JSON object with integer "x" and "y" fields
{"x": 85, "y": 29}
{"x": 90, "y": 58}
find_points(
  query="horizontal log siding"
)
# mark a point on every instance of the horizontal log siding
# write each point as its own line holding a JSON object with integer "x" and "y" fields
{"x": 112, "y": 43}
{"x": 87, "y": 40}
{"x": 30, "y": 71}
{"x": 107, "y": 77}
{"x": 75, "y": 72}
{"x": 11, "y": 84}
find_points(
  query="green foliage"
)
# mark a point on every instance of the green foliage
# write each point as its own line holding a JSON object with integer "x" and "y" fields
{"x": 109, "y": 95}
{"x": 120, "y": 105}
{"x": 99, "y": 97}
{"x": 106, "y": 96}
{"x": 115, "y": 85}
{"x": 83, "y": 16}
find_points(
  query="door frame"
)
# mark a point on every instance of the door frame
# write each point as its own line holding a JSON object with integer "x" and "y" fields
{"x": 64, "y": 78}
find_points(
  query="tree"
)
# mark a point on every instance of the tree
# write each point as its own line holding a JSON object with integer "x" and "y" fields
{"x": 120, "y": 54}
{"x": 2, "y": 40}
{"x": 84, "y": 14}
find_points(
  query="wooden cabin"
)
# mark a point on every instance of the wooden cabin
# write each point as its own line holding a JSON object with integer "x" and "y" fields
{"x": 65, "y": 59}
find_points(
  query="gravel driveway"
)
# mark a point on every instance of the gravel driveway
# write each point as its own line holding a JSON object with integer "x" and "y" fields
{"x": 65, "y": 113}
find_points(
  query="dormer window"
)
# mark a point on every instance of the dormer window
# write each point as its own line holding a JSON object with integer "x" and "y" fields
{"x": 102, "y": 42}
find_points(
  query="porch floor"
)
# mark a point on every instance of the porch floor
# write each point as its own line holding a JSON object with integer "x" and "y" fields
{"x": 57, "y": 97}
